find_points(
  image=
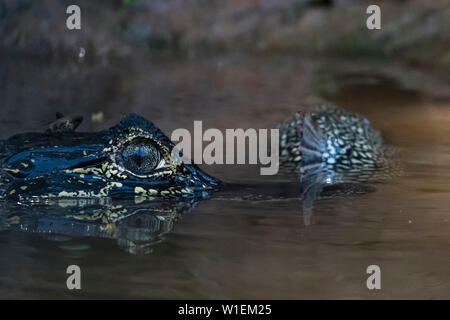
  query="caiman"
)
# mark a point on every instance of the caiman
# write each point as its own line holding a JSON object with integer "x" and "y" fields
{"x": 335, "y": 152}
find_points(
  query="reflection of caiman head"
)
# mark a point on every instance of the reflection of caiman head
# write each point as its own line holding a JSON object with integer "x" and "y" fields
{"x": 130, "y": 160}
{"x": 135, "y": 227}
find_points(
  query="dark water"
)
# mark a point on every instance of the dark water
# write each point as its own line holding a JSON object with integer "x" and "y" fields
{"x": 237, "y": 247}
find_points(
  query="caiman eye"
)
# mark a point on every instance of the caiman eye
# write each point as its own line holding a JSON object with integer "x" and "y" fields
{"x": 141, "y": 157}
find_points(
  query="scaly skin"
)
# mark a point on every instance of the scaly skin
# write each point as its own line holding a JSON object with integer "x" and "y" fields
{"x": 338, "y": 144}
{"x": 79, "y": 184}
{"x": 87, "y": 175}
{"x": 37, "y": 166}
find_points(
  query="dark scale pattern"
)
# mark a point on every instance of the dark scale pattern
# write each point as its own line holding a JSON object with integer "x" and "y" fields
{"x": 133, "y": 159}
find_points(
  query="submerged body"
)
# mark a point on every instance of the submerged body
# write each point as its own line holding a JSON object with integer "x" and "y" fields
{"x": 331, "y": 146}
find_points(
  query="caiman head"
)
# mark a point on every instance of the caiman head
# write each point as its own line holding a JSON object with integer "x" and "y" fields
{"x": 133, "y": 159}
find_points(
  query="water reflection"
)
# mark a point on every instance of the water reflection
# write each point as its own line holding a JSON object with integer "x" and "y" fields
{"x": 135, "y": 227}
